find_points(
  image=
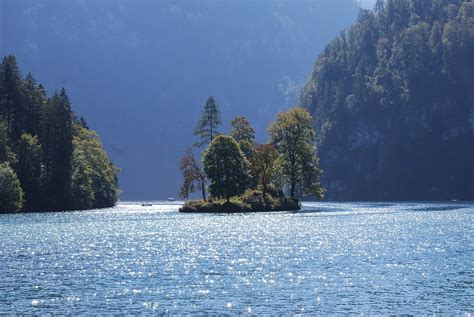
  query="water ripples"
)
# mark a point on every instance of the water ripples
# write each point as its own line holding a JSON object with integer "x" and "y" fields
{"x": 371, "y": 258}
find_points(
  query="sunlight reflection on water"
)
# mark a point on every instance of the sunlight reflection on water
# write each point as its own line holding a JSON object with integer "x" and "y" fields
{"x": 373, "y": 258}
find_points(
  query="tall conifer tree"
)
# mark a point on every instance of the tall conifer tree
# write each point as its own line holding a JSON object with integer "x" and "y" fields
{"x": 57, "y": 141}
{"x": 206, "y": 128}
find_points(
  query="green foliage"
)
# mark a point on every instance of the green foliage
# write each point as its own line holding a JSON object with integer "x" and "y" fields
{"x": 293, "y": 137}
{"x": 29, "y": 167}
{"x": 206, "y": 128}
{"x": 94, "y": 182}
{"x": 392, "y": 99}
{"x": 35, "y": 99}
{"x": 250, "y": 201}
{"x": 244, "y": 134}
{"x": 6, "y": 154}
{"x": 226, "y": 167}
{"x": 41, "y": 133}
{"x": 218, "y": 206}
{"x": 12, "y": 106}
{"x": 56, "y": 138}
{"x": 246, "y": 147}
{"x": 242, "y": 130}
{"x": 194, "y": 177}
{"x": 11, "y": 194}
{"x": 263, "y": 165}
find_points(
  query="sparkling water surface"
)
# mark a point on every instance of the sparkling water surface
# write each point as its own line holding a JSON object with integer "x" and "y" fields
{"x": 370, "y": 258}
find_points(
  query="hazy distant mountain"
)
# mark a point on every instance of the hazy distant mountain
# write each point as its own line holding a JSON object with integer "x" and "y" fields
{"x": 393, "y": 102}
{"x": 140, "y": 71}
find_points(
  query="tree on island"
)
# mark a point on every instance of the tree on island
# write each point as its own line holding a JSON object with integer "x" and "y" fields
{"x": 242, "y": 130}
{"x": 226, "y": 168}
{"x": 254, "y": 174}
{"x": 210, "y": 120}
{"x": 244, "y": 134}
{"x": 293, "y": 136}
{"x": 194, "y": 177}
{"x": 11, "y": 194}
{"x": 263, "y": 164}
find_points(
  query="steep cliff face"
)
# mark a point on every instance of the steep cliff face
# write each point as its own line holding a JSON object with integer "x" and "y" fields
{"x": 393, "y": 102}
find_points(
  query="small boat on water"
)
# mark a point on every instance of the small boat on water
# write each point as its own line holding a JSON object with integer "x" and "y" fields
{"x": 146, "y": 205}
{"x": 171, "y": 199}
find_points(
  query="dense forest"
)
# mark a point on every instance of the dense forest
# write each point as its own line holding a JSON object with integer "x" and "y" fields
{"x": 393, "y": 103}
{"x": 49, "y": 159}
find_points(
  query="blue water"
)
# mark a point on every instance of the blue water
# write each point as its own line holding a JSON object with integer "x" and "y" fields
{"x": 371, "y": 258}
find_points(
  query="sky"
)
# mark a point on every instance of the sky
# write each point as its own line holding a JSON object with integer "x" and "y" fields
{"x": 367, "y": 4}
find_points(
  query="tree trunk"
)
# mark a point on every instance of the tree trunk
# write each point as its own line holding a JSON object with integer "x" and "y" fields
{"x": 293, "y": 181}
{"x": 203, "y": 189}
{"x": 211, "y": 130}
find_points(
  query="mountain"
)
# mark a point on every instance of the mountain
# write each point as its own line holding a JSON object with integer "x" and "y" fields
{"x": 393, "y": 102}
{"x": 141, "y": 71}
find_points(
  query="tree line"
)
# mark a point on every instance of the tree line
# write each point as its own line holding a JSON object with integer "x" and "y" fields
{"x": 49, "y": 158}
{"x": 393, "y": 98}
{"x": 234, "y": 163}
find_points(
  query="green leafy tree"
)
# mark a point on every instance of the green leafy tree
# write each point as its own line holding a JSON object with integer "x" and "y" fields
{"x": 29, "y": 170}
{"x": 193, "y": 175}
{"x": 11, "y": 194}
{"x": 244, "y": 134}
{"x": 263, "y": 165}
{"x": 293, "y": 136}
{"x": 210, "y": 120}
{"x": 242, "y": 130}
{"x": 226, "y": 167}
{"x": 94, "y": 182}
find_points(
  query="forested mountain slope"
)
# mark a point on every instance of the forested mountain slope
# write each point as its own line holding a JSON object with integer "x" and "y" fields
{"x": 393, "y": 102}
{"x": 141, "y": 70}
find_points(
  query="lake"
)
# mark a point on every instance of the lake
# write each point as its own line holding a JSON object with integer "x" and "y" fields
{"x": 371, "y": 258}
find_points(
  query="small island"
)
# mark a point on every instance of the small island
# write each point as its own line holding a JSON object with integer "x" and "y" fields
{"x": 241, "y": 175}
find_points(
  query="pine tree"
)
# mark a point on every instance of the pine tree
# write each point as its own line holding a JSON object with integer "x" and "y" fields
{"x": 6, "y": 154}
{"x": 12, "y": 103}
{"x": 210, "y": 120}
{"x": 29, "y": 170}
{"x": 56, "y": 138}
{"x": 35, "y": 98}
